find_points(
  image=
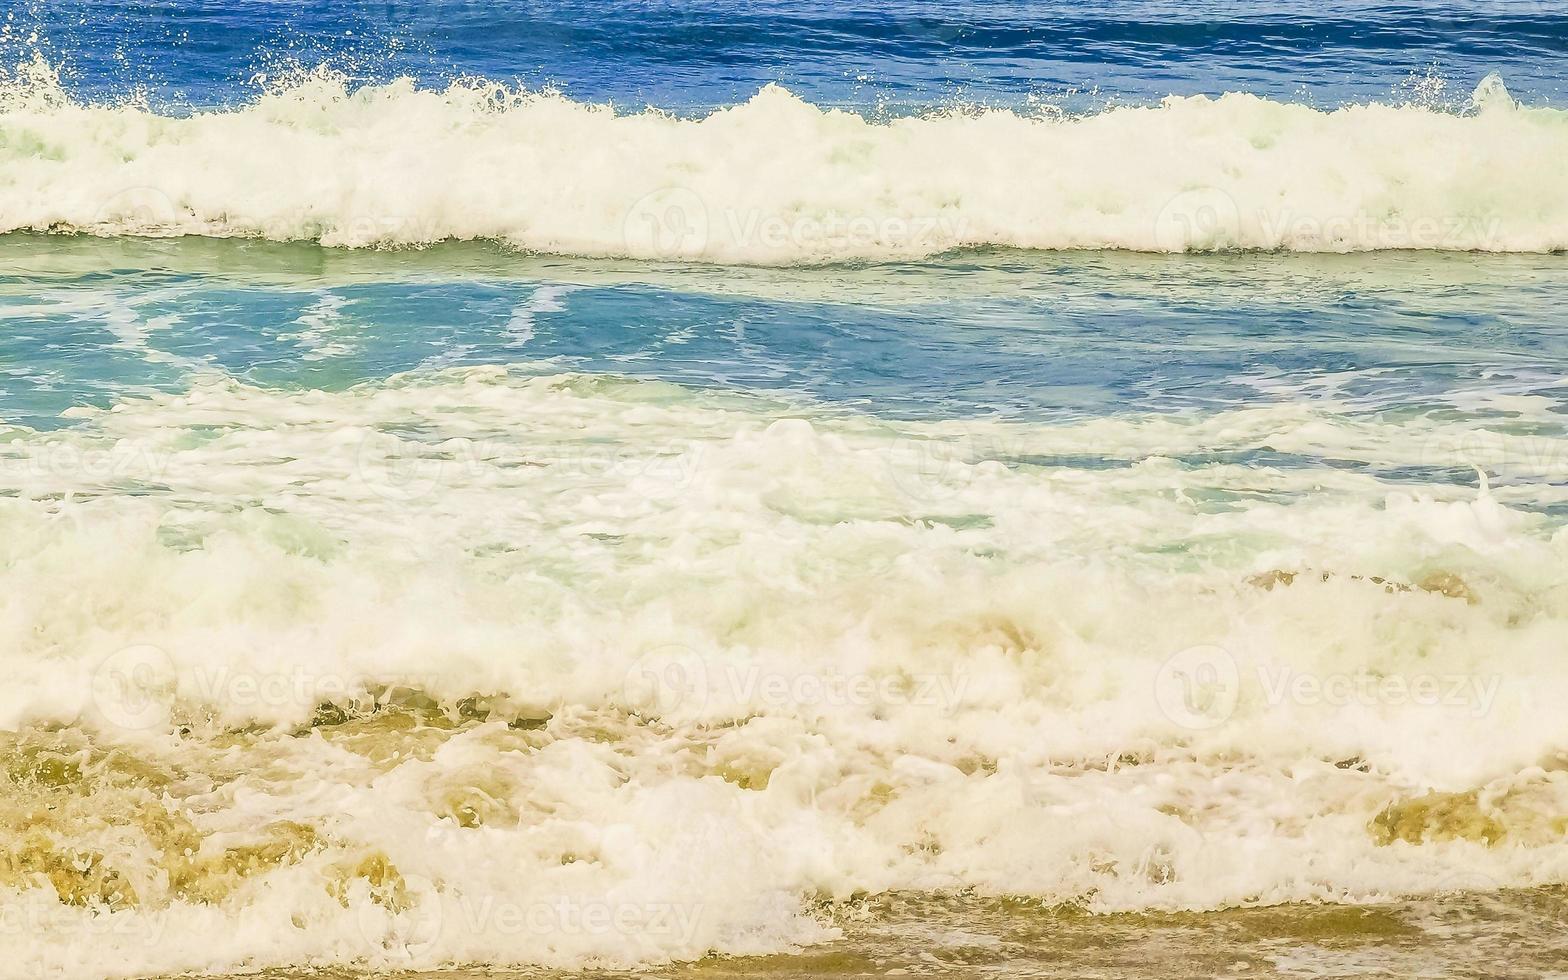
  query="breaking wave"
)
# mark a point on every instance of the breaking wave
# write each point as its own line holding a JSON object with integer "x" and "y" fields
{"x": 777, "y": 180}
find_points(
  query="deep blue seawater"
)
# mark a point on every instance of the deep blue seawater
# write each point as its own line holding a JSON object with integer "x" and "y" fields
{"x": 683, "y": 54}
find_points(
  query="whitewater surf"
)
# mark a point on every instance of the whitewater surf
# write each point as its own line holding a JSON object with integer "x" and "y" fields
{"x": 714, "y": 490}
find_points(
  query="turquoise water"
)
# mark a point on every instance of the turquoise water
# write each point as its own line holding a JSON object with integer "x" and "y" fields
{"x": 984, "y": 335}
{"x": 1028, "y": 489}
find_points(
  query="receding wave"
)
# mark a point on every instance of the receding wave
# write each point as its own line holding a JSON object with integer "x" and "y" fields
{"x": 582, "y": 671}
{"x": 777, "y": 180}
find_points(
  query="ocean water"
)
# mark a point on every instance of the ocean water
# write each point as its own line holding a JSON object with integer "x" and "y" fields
{"x": 772, "y": 489}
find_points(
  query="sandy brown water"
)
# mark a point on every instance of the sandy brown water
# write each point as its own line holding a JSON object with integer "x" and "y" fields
{"x": 1469, "y": 934}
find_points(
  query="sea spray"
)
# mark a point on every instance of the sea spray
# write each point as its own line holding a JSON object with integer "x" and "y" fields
{"x": 776, "y": 180}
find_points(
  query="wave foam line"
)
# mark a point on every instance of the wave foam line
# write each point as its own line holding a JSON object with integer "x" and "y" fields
{"x": 777, "y": 180}
{"x": 581, "y": 672}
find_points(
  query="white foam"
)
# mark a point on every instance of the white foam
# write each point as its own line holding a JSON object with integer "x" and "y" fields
{"x": 789, "y": 656}
{"x": 778, "y": 181}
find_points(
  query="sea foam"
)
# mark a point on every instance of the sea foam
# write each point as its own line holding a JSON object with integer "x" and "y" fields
{"x": 777, "y": 180}
{"x": 576, "y": 671}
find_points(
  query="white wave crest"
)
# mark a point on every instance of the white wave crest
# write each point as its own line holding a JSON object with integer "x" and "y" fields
{"x": 777, "y": 180}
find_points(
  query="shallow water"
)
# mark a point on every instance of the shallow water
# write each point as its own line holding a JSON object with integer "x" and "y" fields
{"x": 1017, "y": 335}
{"x": 1457, "y": 935}
{"x": 345, "y": 591}
{"x": 919, "y": 499}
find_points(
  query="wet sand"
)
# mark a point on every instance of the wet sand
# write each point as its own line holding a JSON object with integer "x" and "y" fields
{"x": 1497, "y": 934}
